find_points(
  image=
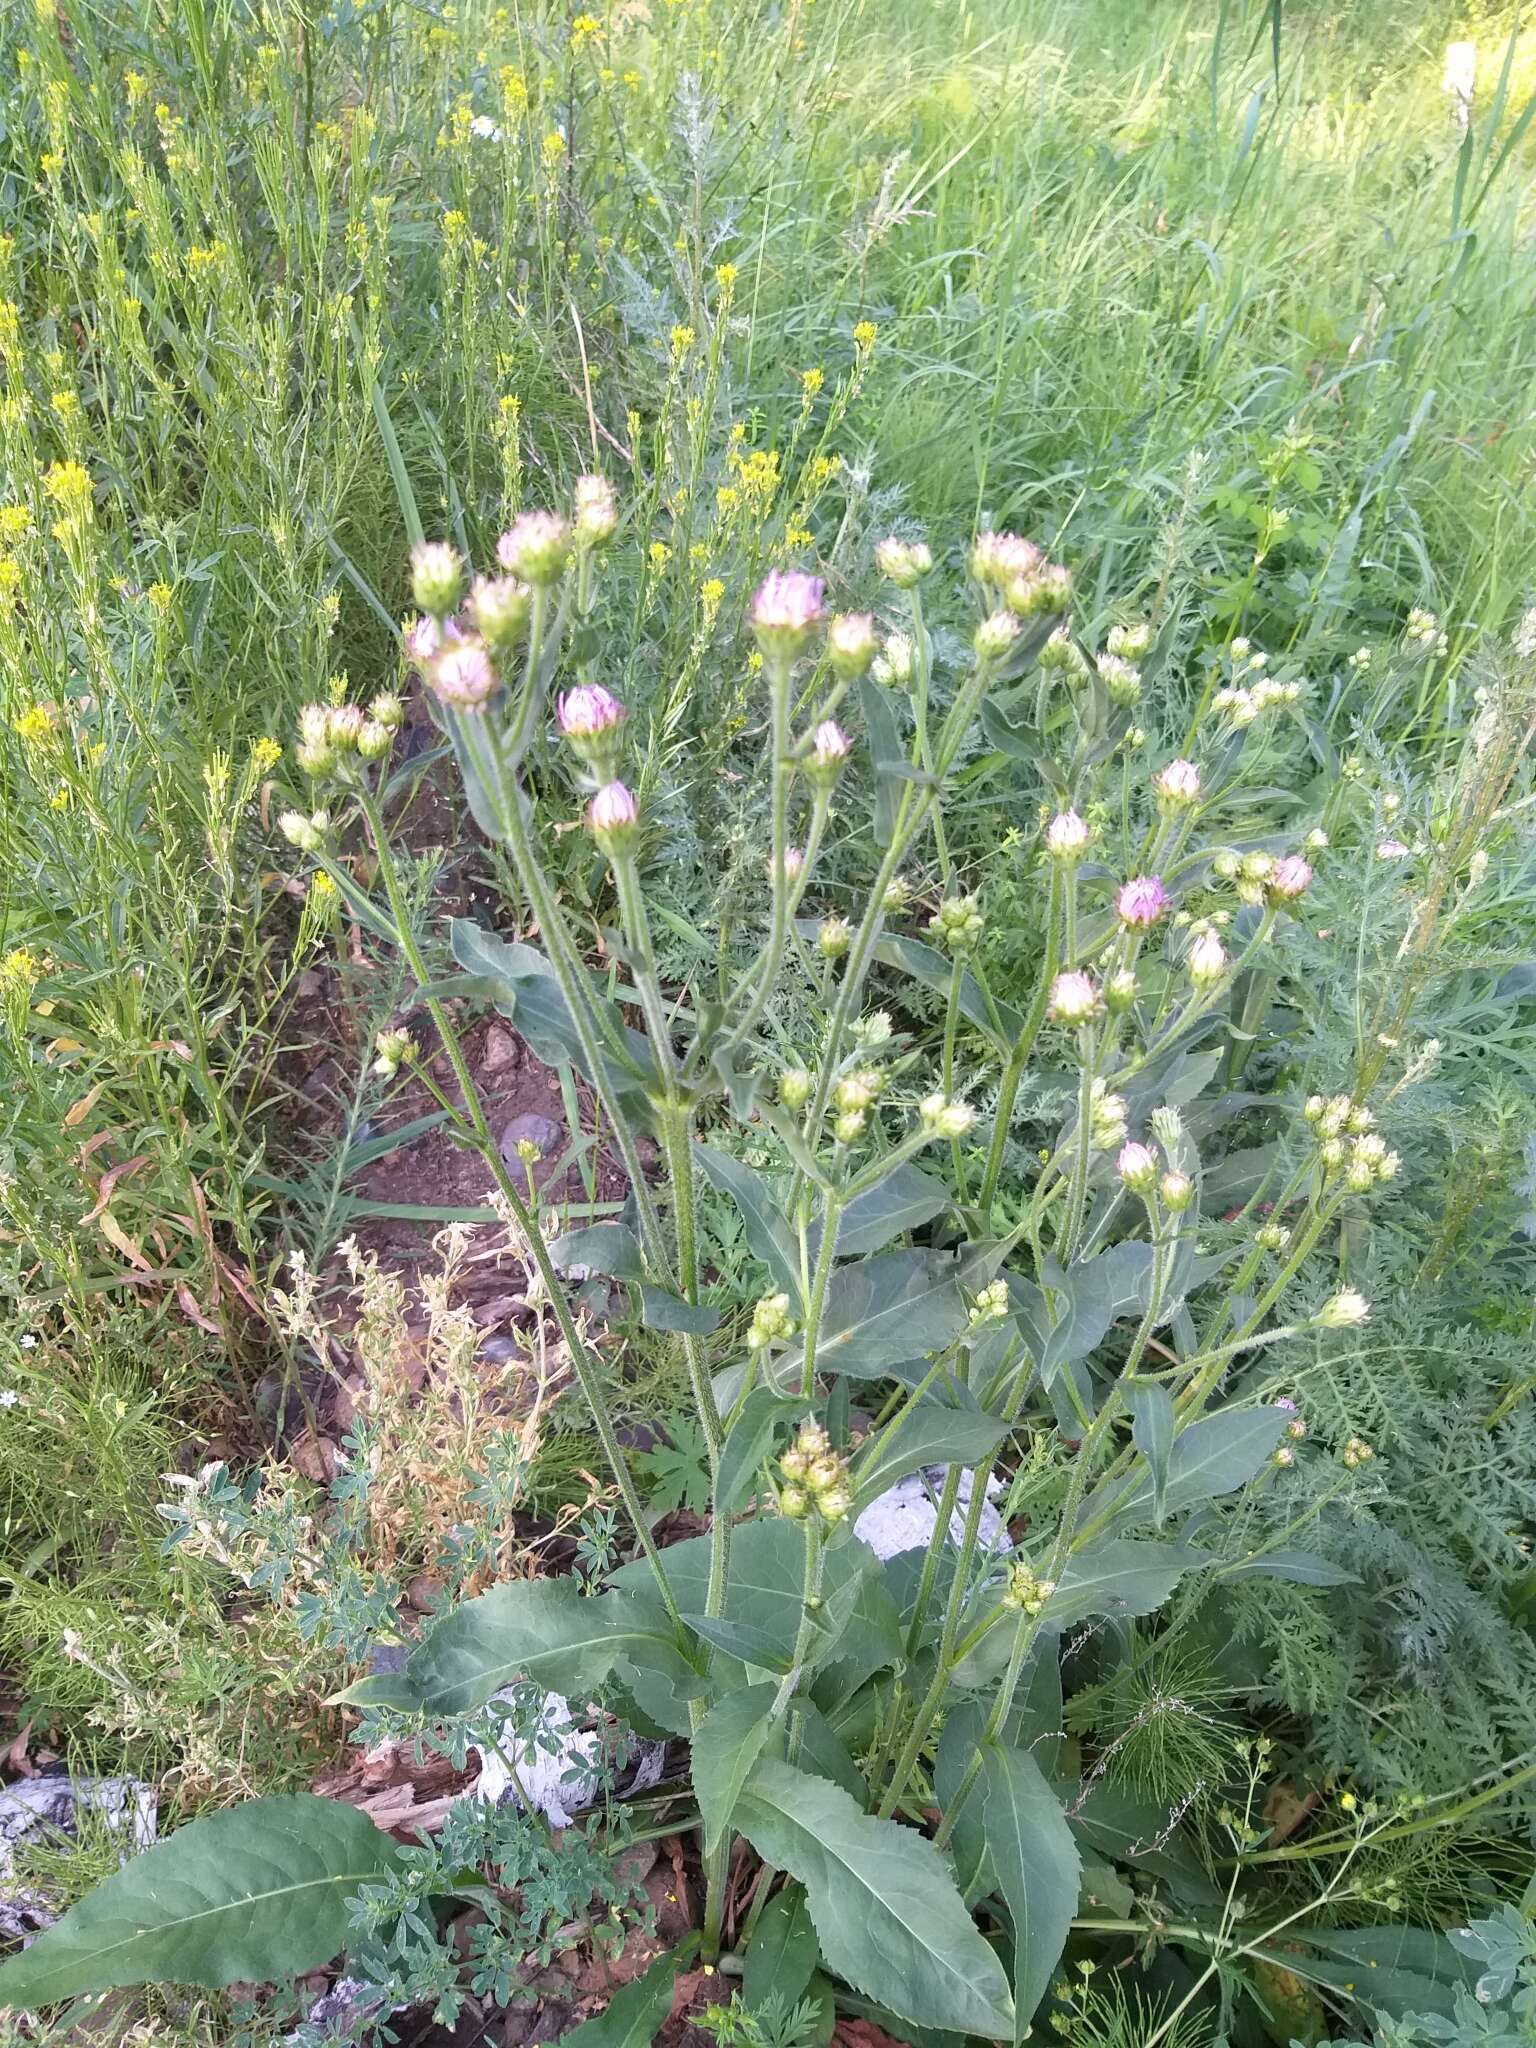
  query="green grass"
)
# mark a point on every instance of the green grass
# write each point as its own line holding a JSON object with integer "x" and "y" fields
{"x": 1245, "y": 333}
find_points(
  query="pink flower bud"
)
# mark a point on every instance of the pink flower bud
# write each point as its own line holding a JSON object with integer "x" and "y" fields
{"x": 462, "y": 675}
{"x": 1074, "y": 998}
{"x": 851, "y": 644}
{"x": 786, "y": 611}
{"x": 422, "y": 639}
{"x": 536, "y": 546}
{"x": 1291, "y": 878}
{"x": 830, "y": 745}
{"x": 1068, "y": 836}
{"x": 1137, "y": 1166}
{"x": 1140, "y": 903}
{"x": 1178, "y": 783}
{"x": 1207, "y": 960}
{"x": 589, "y": 712}
{"x": 613, "y": 816}
{"x": 1002, "y": 558}
{"x": 597, "y": 511}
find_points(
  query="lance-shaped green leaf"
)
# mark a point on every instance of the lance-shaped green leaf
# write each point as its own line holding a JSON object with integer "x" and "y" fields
{"x": 929, "y": 1434}
{"x": 886, "y": 754}
{"x": 546, "y": 1630}
{"x": 882, "y": 1314}
{"x": 882, "y": 1901}
{"x": 256, "y": 1892}
{"x": 1087, "y": 1298}
{"x": 749, "y": 1441}
{"x": 1152, "y": 1426}
{"x": 634, "y": 2014}
{"x": 768, "y": 1233}
{"x": 902, "y": 1199}
{"x": 1301, "y": 1567}
{"x": 727, "y": 1743}
{"x": 1035, "y": 1863}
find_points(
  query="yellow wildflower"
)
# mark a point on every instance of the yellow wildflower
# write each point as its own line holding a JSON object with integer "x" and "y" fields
{"x": 69, "y": 486}
{"x": 864, "y": 336}
{"x": 552, "y": 148}
{"x": 15, "y": 523}
{"x": 584, "y": 29}
{"x": 660, "y": 555}
{"x": 682, "y": 341}
{"x": 35, "y": 725}
{"x": 136, "y": 85}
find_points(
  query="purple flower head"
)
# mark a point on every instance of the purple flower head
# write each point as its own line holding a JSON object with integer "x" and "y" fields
{"x": 1141, "y": 902}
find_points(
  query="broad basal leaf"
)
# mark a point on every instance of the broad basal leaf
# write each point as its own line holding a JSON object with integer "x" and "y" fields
{"x": 525, "y": 989}
{"x": 1119, "y": 1577}
{"x": 1034, "y": 1861}
{"x": 546, "y": 1630}
{"x": 256, "y": 1892}
{"x": 883, "y": 1903}
{"x": 765, "y": 1588}
{"x": 783, "y": 1951}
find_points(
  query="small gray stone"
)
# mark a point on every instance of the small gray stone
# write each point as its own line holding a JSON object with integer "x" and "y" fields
{"x": 538, "y": 1130}
{"x": 502, "y": 1350}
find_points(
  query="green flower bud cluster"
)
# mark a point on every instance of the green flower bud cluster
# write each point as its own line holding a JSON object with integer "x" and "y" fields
{"x": 990, "y": 1305}
{"x": 1026, "y": 1593}
{"x": 1107, "y": 1117}
{"x": 957, "y": 923}
{"x": 816, "y": 1479}
{"x": 854, "y": 1097}
{"x": 330, "y": 735}
{"x": 772, "y": 1323}
{"x": 1356, "y": 1452}
{"x": 944, "y": 1117}
{"x": 1348, "y": 1144}
{"x": 395, "y": 1049}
